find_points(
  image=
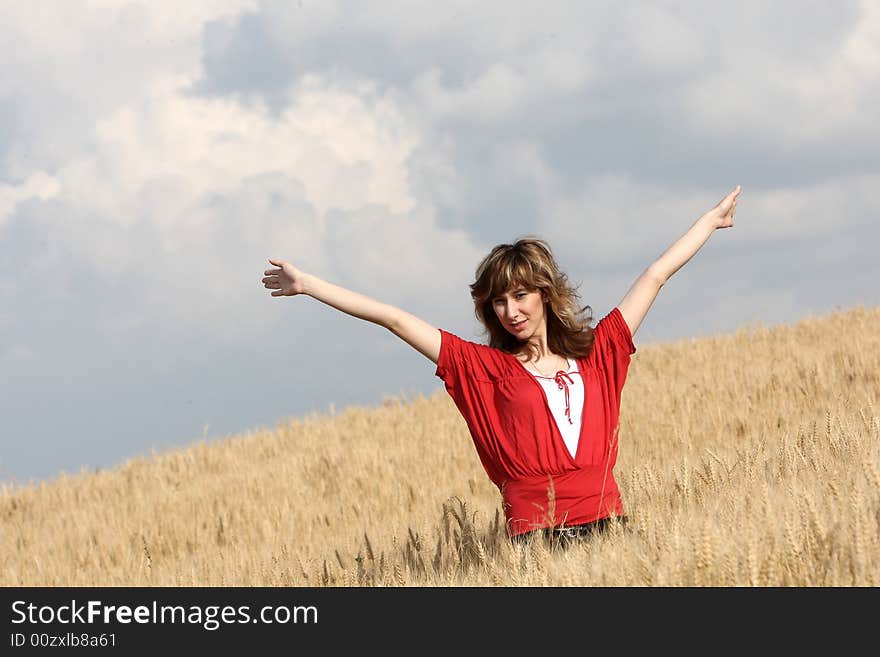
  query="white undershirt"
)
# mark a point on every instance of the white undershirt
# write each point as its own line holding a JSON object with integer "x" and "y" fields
{"x": 556, "y": 400}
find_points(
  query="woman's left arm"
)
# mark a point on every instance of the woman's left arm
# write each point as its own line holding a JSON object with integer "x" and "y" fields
{"x": 641, "y": 295}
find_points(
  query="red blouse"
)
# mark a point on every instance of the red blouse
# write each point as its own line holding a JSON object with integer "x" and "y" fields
{"x": 517, "y": 438}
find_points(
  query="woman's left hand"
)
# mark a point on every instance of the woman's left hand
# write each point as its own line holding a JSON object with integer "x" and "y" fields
{"x": 722, "y": 214}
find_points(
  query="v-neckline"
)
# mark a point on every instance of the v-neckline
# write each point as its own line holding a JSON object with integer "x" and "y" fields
{"x": 555, "y": 427}
{"x": 567, "y": 364}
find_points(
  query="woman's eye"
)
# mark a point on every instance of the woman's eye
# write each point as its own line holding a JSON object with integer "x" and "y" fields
{"x": 517, "y": 295}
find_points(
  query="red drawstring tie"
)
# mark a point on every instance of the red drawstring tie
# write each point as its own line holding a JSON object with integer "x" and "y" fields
{"x": 560, "y": 380}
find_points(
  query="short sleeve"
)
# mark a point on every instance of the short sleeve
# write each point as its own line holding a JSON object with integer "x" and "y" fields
{"x": 463, "y": 366}
{"x": 612, "y": 350}
{"x": 615, "y": 332}
{"x": 442, "y": 370}
{"x": 468, "y": 370}
{"x": 458, "y": 358}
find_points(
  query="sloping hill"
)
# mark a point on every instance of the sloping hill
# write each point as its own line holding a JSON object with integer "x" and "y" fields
{"x": 751, "y": 458}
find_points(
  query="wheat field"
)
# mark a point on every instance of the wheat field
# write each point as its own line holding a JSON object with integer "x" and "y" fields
{"x": 750, "y": 459}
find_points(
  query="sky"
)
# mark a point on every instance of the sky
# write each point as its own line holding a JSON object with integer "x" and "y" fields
{"x": 154, "y": 156}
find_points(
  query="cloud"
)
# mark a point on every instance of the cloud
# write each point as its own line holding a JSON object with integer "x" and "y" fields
{"x": 255, "y": 128}
{"x": 792, "y": 84}
{"x": 347, "y": 148}
{"x": 495, "y": 63}
{"x": 184, "y": 198}
{"x": 616, "y": 219}
{"x": 38, "y": 185}
{"x": 77, "y": 61}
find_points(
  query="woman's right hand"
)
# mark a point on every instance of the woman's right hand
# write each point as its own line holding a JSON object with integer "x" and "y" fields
{"x": 287, "y": 281}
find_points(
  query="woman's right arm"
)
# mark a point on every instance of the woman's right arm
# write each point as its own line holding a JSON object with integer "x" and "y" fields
{"x": 290, "y": 281}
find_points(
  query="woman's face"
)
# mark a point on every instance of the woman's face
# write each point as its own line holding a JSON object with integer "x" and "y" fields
{"x": 520, "y": 311}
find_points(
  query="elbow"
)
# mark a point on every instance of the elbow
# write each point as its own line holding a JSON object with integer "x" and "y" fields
{"x": 657, "y": 276}
{"x": 391, "y": 320}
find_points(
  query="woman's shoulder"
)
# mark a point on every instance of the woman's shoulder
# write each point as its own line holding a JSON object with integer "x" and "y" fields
{"x": 481, "y": 360}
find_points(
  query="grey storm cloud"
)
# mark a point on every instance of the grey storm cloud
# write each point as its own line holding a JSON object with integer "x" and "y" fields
{"x": 599, "y": 88}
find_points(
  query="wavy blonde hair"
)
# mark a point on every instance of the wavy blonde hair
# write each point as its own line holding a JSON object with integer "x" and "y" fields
{"x": 529, "y": 263}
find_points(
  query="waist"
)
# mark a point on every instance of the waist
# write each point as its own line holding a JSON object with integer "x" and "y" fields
{"x": 566, "y": 534}
{"x": 576, "y": 497}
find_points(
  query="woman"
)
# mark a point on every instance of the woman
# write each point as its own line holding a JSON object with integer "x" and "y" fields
{"x": 542, "y": 399}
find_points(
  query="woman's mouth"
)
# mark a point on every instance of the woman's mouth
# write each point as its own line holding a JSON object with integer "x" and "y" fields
{"x": 517, "y": 327}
